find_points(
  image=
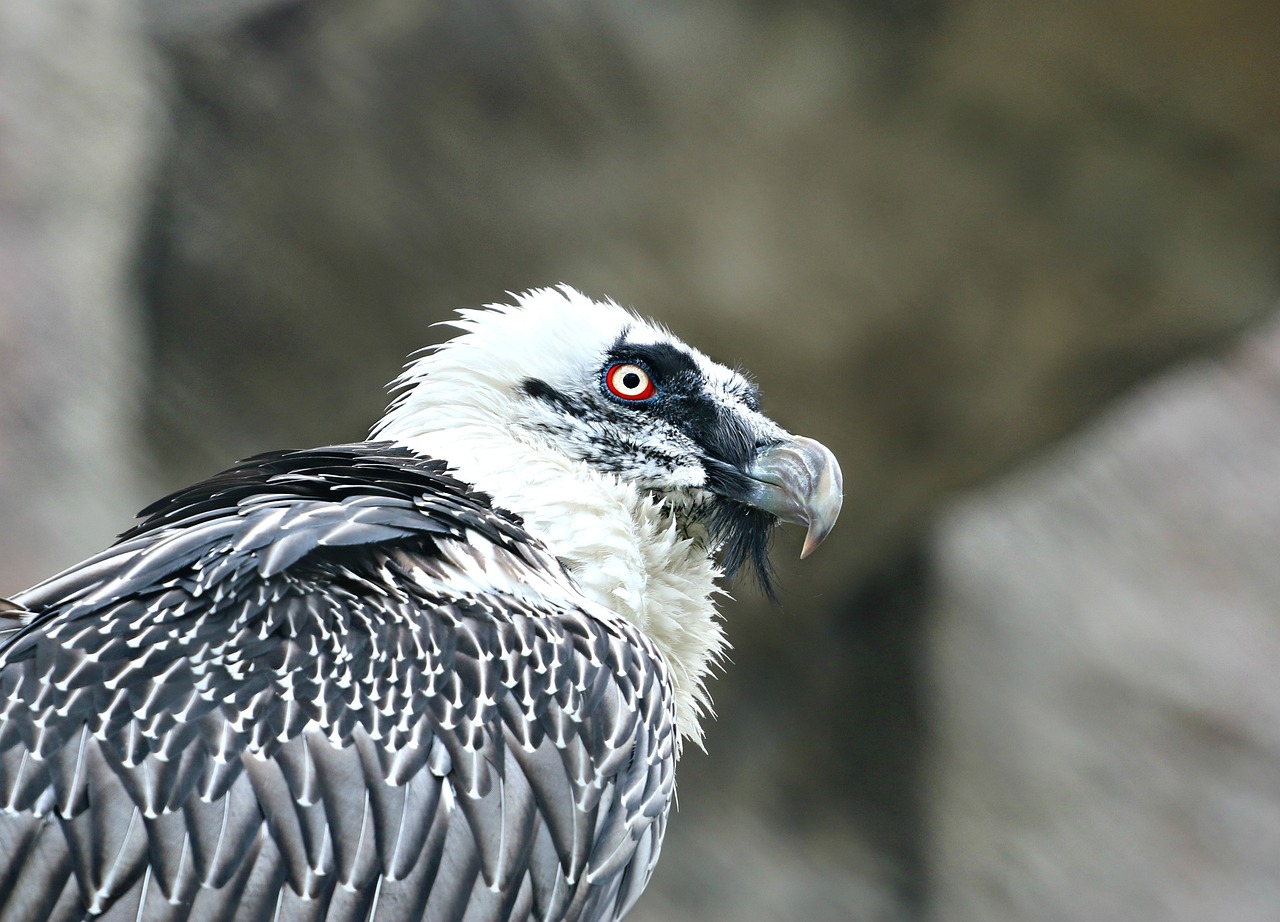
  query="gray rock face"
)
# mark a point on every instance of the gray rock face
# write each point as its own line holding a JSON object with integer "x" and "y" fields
{"x": 1107, "y": 701}
{"x": 79, "y": 115}
{"x": 941, "y": 240}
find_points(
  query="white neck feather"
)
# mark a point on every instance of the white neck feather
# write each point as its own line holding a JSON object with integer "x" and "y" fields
{"x": 621, "y": 546}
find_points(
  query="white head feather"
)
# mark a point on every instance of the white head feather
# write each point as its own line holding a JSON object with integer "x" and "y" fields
{"x": 464, "y": 402}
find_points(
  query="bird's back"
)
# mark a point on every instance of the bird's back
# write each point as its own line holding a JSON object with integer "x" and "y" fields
{"x": 331, "y": 684}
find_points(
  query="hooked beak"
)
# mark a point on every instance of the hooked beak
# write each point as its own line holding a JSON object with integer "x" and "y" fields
{"x": 799, "y": 480}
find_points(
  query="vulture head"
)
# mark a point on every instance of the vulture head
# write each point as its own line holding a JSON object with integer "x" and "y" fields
{"x": 645, "y": 466}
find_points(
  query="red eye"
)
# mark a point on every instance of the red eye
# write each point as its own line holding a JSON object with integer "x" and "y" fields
{"x": 629, "y": 382}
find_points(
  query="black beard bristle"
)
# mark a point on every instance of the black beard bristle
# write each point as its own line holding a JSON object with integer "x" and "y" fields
{"x": 744, "y": 533}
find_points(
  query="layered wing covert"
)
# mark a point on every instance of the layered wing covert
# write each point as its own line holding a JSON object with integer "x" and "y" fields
{"x": 332, "y": 684}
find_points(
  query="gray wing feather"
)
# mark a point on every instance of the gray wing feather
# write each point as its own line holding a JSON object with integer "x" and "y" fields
{"x": 289, "y": 705}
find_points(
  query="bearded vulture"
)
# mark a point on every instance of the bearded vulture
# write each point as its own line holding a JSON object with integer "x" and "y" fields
{"x": 444, "y": 674}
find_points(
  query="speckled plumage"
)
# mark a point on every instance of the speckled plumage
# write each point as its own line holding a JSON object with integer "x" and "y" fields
{"x": 189, "y": 719}
{"x": 347, "y": 684}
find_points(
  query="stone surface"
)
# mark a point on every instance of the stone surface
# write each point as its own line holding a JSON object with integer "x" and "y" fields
{"x": 1106, "y": 698}
{"x": 941, "y": 239}
{"x": 79, "y": 122}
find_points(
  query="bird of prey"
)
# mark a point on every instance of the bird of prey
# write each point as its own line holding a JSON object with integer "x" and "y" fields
{"x": 444, "y": 674}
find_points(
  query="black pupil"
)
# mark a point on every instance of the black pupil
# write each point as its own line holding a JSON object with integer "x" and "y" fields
{"x": 631, "y": 381}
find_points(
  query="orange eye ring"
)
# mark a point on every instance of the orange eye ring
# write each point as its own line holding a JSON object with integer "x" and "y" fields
{"x": 629, "y": 381}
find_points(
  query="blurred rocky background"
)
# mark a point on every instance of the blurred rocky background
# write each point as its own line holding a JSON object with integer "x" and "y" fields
{"x": 1015, "y": 263}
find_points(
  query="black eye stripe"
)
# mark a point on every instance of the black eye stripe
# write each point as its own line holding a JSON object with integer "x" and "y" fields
{"x": 663, "y": 361}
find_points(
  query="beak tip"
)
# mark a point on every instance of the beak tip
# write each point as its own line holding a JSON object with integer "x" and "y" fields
{"x": 799, "y": 481}
{"x": 826, "y": 499}
{"x": 818, "y": 530}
